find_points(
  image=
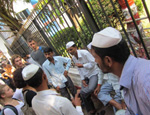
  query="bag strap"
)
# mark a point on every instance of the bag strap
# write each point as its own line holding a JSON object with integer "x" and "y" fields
{"x": 10, "y": 107}
{"x": 24, "y": 94}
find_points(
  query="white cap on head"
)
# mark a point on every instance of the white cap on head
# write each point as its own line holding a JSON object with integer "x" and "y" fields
{"x": 89, "y": 45}
{"x": 107, "y": 37}
{"x": 69, "y": 44}
{"x": 29, "y": 71}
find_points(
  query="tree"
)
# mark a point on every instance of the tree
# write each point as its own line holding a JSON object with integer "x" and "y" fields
{"x": 7, "y": 15}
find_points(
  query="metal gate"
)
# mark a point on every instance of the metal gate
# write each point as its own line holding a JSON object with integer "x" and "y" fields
{"x": 55, "y": 22}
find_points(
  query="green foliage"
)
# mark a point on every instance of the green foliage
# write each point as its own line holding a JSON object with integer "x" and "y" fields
{"x": 100, "y": 16}
{"x": 7, "y": 15}
{"x": 139, "y": 5}
{"x": 60, "y": 39}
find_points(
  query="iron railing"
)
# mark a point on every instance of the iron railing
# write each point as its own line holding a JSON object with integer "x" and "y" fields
{"x": 55, "y": 22}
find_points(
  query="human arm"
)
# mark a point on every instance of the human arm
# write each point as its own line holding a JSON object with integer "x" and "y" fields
{"x": 97, "y": 90}
{"x": 48, "y": 75}
{"x": 79, "y": 65}
{"x": 100, "y": 80}
{"x": 58, "y": 88}
{"x": 66, "y": 61}
{"x": 77, "y": 102}
{"x": 84, "y": 83}
{"x": 69, "y": 109}
{"x": 90, "y": 61}
{"x": 65, "y": 73}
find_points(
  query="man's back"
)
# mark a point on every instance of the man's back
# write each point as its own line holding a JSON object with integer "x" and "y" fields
{"x": 48, "y": 103}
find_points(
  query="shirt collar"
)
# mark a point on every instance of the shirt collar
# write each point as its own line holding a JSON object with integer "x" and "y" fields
{"x": 55, "y": 60}
{"x": 47, "y": 92}
{"x": 127, "y": 72}
{"x": 79, "y": 54}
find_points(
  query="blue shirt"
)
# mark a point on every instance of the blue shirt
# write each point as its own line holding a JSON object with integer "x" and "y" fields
{"x": 135, "y": 79}
{"x": 54, "y": 72}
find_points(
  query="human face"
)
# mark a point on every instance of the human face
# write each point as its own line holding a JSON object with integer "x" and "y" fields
{"x": 18, "y": 62}
{"x": 33, "y": 45}
{"x": 101, "y": 63}
{"x": 49, "y": 55}
{"x": 8, "y": 92}
{"x": 72, "y": 50}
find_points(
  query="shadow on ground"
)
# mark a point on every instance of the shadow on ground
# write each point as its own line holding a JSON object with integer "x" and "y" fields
{"x": 100, "y": 107}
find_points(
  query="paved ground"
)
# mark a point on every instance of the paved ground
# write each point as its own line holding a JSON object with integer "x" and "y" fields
{"x": 99, "y": 107}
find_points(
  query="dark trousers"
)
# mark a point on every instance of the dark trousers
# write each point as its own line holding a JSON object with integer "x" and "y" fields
{"x": 70, "y": 88}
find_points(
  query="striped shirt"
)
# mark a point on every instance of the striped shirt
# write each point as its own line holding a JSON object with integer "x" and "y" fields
{"x": 135, "y": 79}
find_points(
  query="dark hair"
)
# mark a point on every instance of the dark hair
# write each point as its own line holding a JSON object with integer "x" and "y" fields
{"x": 23, "y": 55}
{"x": 48, "y": 49}
{"x": 30, "y": 40}
{"x": 18, "y": 79}
{"x": 73, "y": 45}
{"x": 36, "y": 80}
{"x": 119, "y": 52}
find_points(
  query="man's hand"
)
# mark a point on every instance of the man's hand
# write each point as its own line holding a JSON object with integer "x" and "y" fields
{"x": 76, "y": 101}
{"x": 79, "y": 65}
{"x": 65, "y": 73}
{"x": 97, "y": 90}
{"x": 58, "y": 88}
{"x": 84, "y": 83}
{"x": 123, "y": 105}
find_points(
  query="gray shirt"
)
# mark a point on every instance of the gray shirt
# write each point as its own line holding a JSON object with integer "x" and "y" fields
{"x": 38, "y": 55}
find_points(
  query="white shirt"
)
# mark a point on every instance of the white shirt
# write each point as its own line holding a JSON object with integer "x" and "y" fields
{"x": 8, "y": 111}
{"x": 18, "y": 95}
{"x": 47, "y": 102}
{"x": 89, "y": 65}
{"x": 112, "y": 80}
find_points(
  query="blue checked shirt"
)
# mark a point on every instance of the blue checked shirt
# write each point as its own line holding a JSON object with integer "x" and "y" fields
{"x": 135, "y": 79}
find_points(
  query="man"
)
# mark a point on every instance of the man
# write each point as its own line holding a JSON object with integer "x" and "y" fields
{"x": 17, "y": 61}
{"x": 113, "y": 55}
{"x": 37, "y": 53}
{"x": 108, "y": 83}
{"x": 46, "y": 102}
{"x": 88, "y": 71}
{"x": 57, "y": 74}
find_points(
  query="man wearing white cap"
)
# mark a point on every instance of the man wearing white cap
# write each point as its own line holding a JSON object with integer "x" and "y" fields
{"x": 108, "y": 83}
{"x": 113, "y": 55}
{"x": 46, "y": 102}
{"x": 88, "y": 71}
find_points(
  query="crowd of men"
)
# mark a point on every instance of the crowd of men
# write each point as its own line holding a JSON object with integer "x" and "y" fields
{"x": 107, "y": 66}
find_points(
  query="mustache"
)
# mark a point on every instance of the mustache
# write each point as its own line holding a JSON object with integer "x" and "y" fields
{"x": 49, "y": 58}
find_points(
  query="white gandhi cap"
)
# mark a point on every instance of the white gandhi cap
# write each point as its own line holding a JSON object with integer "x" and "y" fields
{"x": 29, "y": 71}
{"x": 89, "y": 45}
{"x": 107, "y": 37}
{"x": 69, "y": 44}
